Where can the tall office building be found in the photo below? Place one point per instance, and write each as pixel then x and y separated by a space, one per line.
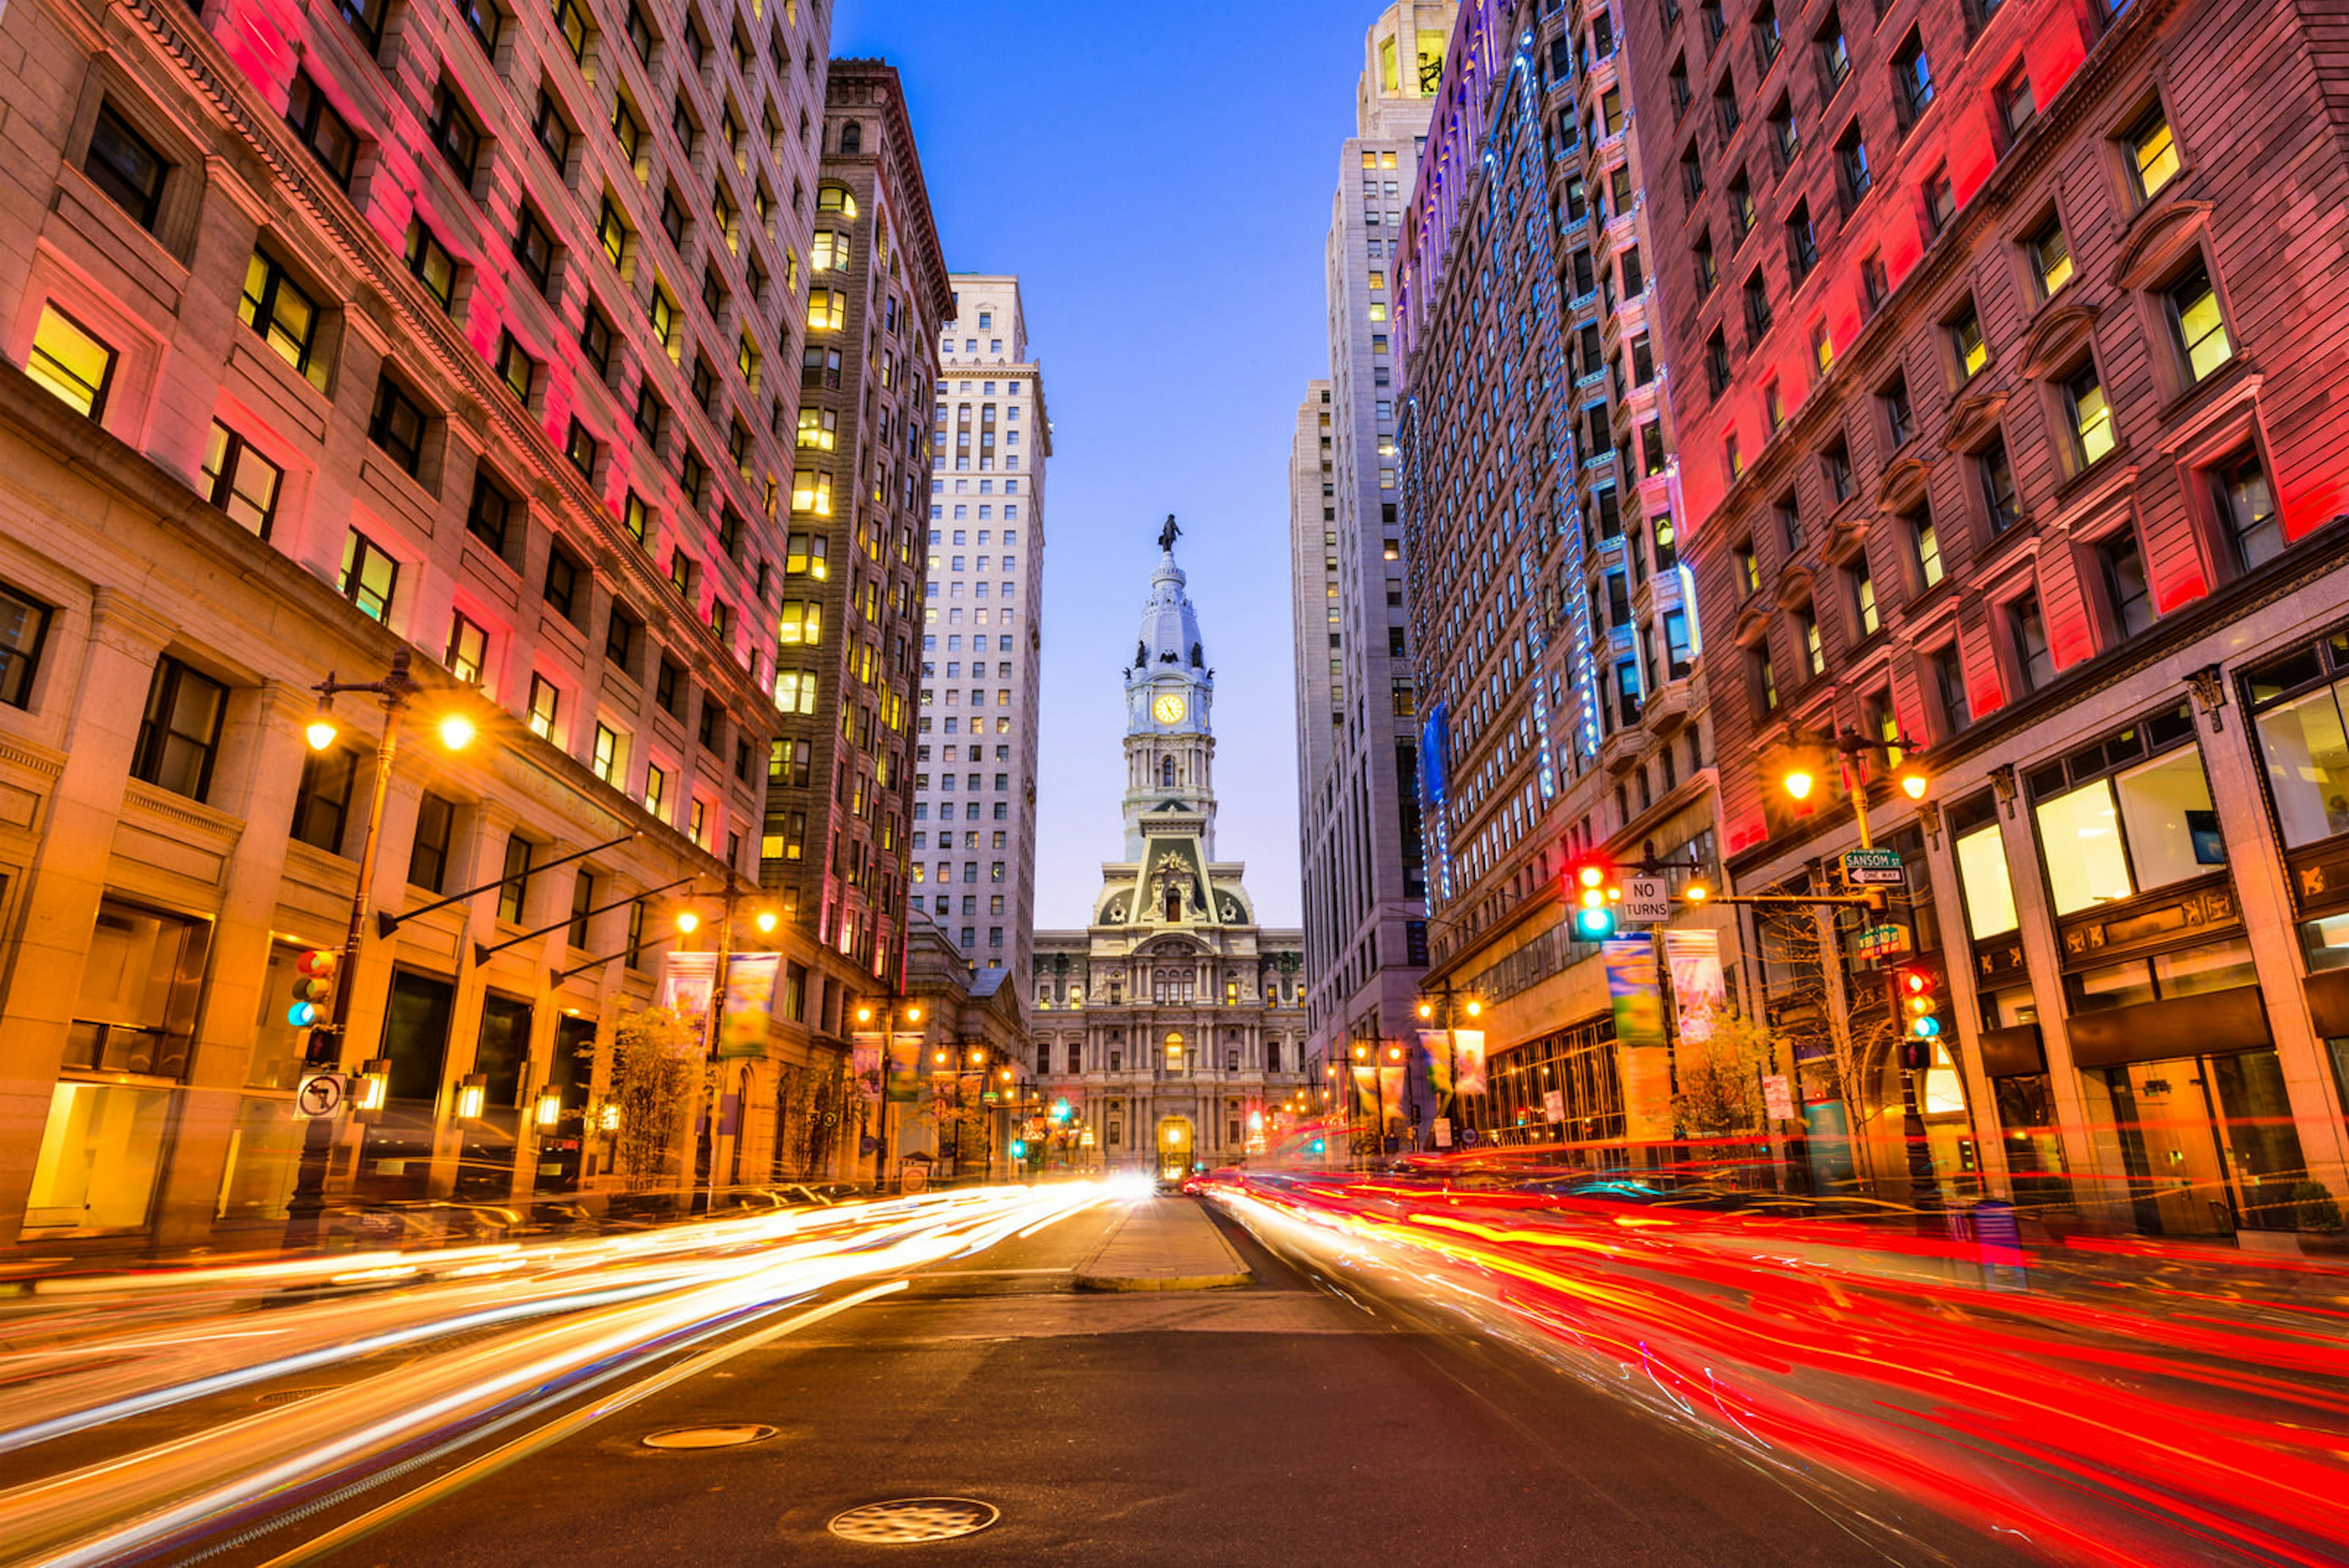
pixel 1550 615
pixel 974 762
pixel 2010 432
pixel 1173 1024
pixel 1358 770
pixel 839 799
pixel 373 333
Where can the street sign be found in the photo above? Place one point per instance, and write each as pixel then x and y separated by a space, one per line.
pixel 1646 902
pixel 1554 1104
pixel 320 1095
pixel 1444 1132
pixel 1874 868
pixel 1778 1097
pixel 1878 941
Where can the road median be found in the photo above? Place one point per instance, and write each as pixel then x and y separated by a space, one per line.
pixel 1162 1244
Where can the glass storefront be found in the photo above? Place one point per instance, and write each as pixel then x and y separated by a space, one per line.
pixel 102 1153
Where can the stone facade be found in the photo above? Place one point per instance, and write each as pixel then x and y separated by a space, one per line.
pixel 2009 435
pixel 351 335
pixel 982 634
pixel 1173 1024
pixel 1363 861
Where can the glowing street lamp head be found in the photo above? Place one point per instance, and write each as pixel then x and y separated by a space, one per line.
pixel 1426 1009
pixel 456 732
pixel 863 1015
pixel 1696 892
pixel 1475 1008
pixel 321 732
pixel 687 921
pixel 1799 781
pixel 766 923
pixel 913 1015
pixel 1914 784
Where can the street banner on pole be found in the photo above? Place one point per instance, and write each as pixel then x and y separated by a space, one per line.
pixel 1437 1046
pixel 1468 1061
pixel 1366 1085
pixel 905 1069
pixel 750 1001
pixel 684 989
pixel 1391 1090
pixel 1699 993
pixel 1778 1097
pixel 864 1064
pixel 1444 1132
pixel 1631 982
pixel 1647 1092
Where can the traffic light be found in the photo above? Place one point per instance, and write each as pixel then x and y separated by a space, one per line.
pixel 313 987
pixel 1592 892
pixel 1916 1004
pixel 1060 1110
pixel 1018 1149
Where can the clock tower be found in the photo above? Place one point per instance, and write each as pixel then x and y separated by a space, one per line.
pixel 1170 747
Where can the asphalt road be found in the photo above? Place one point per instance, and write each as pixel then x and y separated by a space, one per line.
pixel 1275 1423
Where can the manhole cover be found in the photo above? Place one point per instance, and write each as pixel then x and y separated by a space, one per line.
pixel 287 1395
pixel 906 1521
pixel 728 1437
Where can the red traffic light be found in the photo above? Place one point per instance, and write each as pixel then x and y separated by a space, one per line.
pixel 313 986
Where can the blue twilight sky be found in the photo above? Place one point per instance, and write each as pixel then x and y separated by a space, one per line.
pixel 1161 182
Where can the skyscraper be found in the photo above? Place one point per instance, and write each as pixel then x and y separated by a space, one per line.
pixel 974 762
pixel 1358 770
pixel 839 799
pixel 1173 1025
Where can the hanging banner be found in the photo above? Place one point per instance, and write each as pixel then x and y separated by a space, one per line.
pixel 1390 1088
pixel 1647 1092
pixel 1366 1088
pixel 1632 981
pixel 1468 1061
pixel 905 1069
pixel 1435 1045
pixel 864 1064
pixel 684 989
pixel 1700 995
pixel 750 1002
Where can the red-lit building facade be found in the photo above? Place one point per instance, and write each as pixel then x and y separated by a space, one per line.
pixel 458 332
pixel 2005 345
pixel 839 798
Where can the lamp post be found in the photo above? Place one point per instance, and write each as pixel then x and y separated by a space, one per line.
pixel 1852 750
pixel 325 1046
pixel 1452 1004
pixel 730 899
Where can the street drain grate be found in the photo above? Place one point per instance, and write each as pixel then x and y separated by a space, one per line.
pixel 288 1396
pixel 909 1520
pixel 726 1437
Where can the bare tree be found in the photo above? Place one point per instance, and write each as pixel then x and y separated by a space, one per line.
pixel 1835 1028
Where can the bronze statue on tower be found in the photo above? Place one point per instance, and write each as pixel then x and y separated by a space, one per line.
pixel 1168 534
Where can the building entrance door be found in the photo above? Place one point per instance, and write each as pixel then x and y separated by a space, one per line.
pixel 1177 1147
pixel 2178 1182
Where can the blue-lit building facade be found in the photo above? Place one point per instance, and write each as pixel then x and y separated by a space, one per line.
pixel 1562 712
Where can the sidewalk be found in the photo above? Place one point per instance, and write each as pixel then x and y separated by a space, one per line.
pixel 1162 1244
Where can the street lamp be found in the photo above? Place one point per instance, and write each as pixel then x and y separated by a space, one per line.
pixel 324 1046
pixel 689 920
pixel 888 1012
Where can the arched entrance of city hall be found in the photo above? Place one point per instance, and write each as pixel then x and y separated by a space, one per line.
pixel 1178 1144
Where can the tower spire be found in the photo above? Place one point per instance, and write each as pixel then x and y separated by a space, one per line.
pixel 1169 741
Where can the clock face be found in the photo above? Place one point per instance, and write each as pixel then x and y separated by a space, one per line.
pixel 1168 707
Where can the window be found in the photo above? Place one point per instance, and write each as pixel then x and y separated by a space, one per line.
pixel 469 649
pixel 178 733
pixel 655 789
pixel 818 430
pixel 553 131
pixel 612 232
pixel 605 758
pixel 1835 56
pixel 397 425
pixel 2088 415
pixel 1786 142
pixel 2016 106
pixel 1814 646
pixel 1899 419
pixel 1802 245
pixel 1982 870
pixel 514 890
pixel 516 367
pixel 1940 200
pixel 1851 165
pixel 1765 674
pixel 1716 363
pixel 1874 288
pixel 1999 504
pixel 428 853
pixel 628 129
pixel 484 21
pixel 490 514
pixel 2299 703
pixel 535 248
pixel 2201 334
pixel 1914 78
pixel 1925 545
pixel 595 340
pixel 2034 660
pixel 545 704
pixel 1789 517
pixel 583 906
pixel 23 629
pixel 2140 825
pixel 2246 509
pixel 1835 463
pixel 1707 272
pixel 2122 567
pixel 1865 614
pixel 369 575
pixel 274 306
pixel 1757 303
pixel 582 448
pixel 1966 340
pixel 1747 570
pixel 565 579
pixel 623 635
pixel 455 132
pixel 71 363
pixel 804 555
pixel 1950 686
pixel 2051 257
pixel 1741 207
pixel 801 623
pixel 434 267
pixel 2152 153
pixel 241 482
pixel 322 802
pixel 126 166
pixel 326 134
pixel 366 17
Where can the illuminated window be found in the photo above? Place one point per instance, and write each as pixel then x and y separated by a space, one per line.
pixel 804 555
pixel 516 367
pixel 370 575
pixel 817 428
pixel 811 492
pixel 469 649
pixel 1925 544
pixel 71 363
pixel 838 199
pixel 827 309
pixel 2192 307
pixel 1966 337
pixel 241 482
pixel 2152 153
pixel 2051 257
pixel 274 306
pixel 829 252
pixel 655 788
pixel 545 702
pixel 2089 415
pixel 795 691
pixel 434 267
pixel 582 448
pixel 607 761
pixel 2246 509
pixel 661 311
pixel 611 232
pixel 800 623
pixel 24 628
